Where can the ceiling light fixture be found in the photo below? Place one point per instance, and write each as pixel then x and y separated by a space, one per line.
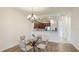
pixel 32 17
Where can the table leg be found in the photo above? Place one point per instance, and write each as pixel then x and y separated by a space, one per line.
pixel 34 48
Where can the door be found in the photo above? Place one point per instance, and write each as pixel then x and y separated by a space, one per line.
pixel 64 28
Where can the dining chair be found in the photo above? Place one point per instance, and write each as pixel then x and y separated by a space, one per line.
pixel 23 44
pixel 43 45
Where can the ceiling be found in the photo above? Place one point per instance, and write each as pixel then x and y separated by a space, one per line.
pixel 45 12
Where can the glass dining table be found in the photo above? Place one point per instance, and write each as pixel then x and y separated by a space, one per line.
pixel 34 42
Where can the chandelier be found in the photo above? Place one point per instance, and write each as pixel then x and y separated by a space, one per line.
pixel 32 17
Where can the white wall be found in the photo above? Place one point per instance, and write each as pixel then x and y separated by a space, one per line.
pixel 75 28
pixel 12 24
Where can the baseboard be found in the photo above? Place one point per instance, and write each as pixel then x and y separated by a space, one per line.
pixel 60 41
pixel 8 47
pixel 75 45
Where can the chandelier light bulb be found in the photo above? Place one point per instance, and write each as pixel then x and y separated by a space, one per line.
pixel 29 16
